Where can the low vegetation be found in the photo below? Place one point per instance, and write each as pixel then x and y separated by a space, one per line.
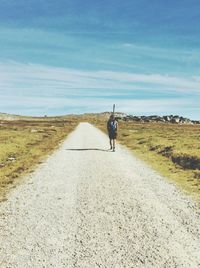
pixel 172 149
pixel 25 142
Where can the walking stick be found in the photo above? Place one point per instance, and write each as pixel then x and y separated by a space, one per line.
pixel 113 109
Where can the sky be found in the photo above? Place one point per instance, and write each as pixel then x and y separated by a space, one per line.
pixel 75 56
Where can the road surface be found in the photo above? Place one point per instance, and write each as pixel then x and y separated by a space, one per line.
pixel 88 207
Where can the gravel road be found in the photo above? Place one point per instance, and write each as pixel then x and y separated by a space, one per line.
pixel 88 207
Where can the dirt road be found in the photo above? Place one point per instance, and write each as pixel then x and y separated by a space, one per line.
pixel 87 207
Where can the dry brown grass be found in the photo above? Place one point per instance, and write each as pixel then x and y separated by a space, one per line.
pixel 24 143
pixel 173 150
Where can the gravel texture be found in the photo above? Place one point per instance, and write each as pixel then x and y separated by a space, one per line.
pixel 88 207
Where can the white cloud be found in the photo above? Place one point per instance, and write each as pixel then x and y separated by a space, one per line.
pixel 53 106
pixel 29 76
pixel 25 88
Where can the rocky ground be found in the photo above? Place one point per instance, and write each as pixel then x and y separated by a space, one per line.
pixel 173 119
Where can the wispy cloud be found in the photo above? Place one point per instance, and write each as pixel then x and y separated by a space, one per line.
pixel 38 89
pixel 29 76
pixel 84 57
pixel 55 106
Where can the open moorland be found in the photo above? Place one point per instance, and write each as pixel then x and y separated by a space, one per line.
pixel 86 206
pixel 25 141
pixel 171 149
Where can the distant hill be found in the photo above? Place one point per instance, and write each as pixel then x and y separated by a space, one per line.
pixel 4 116
pixel 11 117
pixel 174 119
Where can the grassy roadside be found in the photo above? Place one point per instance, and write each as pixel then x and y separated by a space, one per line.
pixel 24 143
pixel 173 150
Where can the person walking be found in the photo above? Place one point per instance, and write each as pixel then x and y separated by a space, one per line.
pixel 112 127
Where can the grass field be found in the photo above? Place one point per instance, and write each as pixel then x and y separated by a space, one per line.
pixel 173 150
pixel 24 143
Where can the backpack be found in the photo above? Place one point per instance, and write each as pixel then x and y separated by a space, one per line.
pixel 113 126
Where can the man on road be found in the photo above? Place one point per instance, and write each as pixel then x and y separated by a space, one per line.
pixel 112 126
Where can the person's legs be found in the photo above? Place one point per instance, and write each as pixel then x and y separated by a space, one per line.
pixel 113 144
pixel 112 141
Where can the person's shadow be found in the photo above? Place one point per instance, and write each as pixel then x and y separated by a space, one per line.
pixel 88 149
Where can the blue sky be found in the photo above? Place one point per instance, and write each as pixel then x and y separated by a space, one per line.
pixel 60 57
